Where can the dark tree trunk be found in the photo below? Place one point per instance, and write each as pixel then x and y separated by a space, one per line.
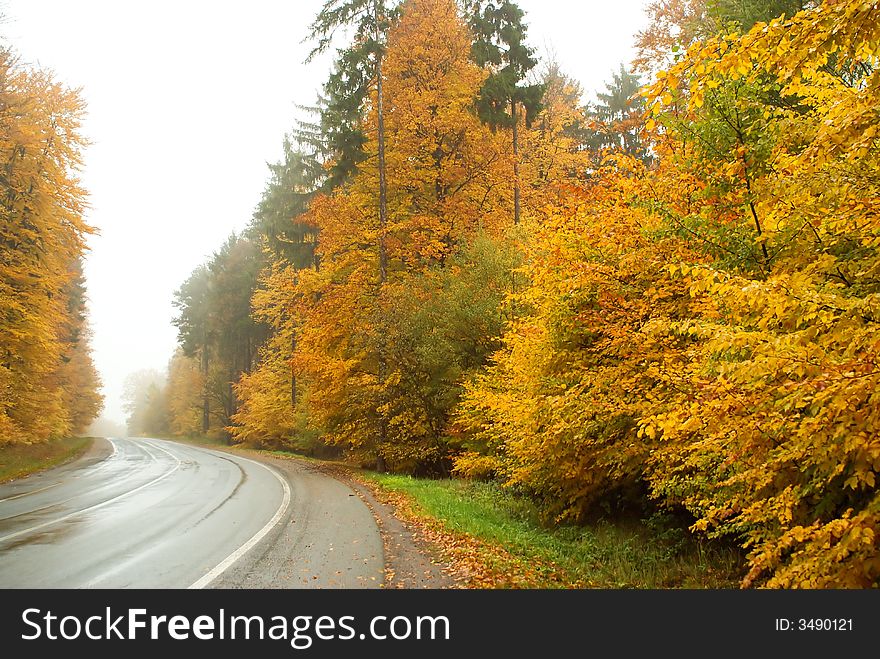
pixel 292 373
pixel 383 220
pixel 516 203
pixel 206 401
pixel 383 188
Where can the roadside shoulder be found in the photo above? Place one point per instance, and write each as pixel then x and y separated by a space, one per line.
pixel 412 561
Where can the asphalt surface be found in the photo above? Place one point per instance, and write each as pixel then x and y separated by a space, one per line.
pixel 148 513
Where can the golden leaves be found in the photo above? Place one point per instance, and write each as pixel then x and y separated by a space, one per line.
pixel 703 327
pixel 48 385
pixel 748 390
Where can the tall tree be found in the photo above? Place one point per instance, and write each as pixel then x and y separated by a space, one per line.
pixel 448 179
pixel 215 323
pixel 194 328
pixel 43 351
pixel 370 20
pixel 337 138
pixel 235 269
pixel 617 117
pixel 281 218
pixel 357 67
pixel 280 215
pixel 78 377
pixel 499 45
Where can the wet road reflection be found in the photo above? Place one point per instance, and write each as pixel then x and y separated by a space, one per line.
pixel 152 514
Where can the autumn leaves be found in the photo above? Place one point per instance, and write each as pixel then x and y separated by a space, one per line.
pixel 682 312
pixel 48 384
pixel 377 375
pixel 684 317
pixel 772 436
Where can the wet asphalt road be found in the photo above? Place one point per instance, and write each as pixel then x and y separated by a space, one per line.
pixel 149 513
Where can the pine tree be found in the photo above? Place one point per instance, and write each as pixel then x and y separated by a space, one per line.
pixel 617 117
pixel 499 45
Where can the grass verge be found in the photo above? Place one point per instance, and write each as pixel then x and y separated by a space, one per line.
pixel 18 460
pixel 496 539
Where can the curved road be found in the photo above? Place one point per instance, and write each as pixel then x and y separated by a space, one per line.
pixel 158 514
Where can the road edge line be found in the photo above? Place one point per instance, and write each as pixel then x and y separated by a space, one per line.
pixel 227 562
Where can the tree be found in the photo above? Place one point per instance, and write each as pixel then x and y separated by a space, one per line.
pixel 273 406
pixel 183 393
pixel 555 413
pixel 781 454
pixel 48 386
pixel 357 67
pixel 281 221
pixel 447 181
pixel 144 400
pixel 617 117
pixel 279 217
pixel 234 272
pixel 554 148
pixel 194 328
pixel 445 327
pixel 337 138
pixel 215 324
pixel 674 25
pixel 499 45
pixel 79 380
pixel 360 65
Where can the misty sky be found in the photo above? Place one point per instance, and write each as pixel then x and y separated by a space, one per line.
pixel 187 102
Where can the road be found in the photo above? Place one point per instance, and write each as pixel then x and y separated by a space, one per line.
pixel 148 513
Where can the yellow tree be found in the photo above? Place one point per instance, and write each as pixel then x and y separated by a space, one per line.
pixel 445 182
pixel 776 439
pixel 557 413
pixel 446 171
pixel 78 377
pixel 184 391
pixel 552 147
pixel 41 235
pixel 273 397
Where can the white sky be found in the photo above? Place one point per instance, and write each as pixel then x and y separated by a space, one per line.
pixel 187 102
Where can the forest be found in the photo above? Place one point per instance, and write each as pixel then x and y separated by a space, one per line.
pixel 667 298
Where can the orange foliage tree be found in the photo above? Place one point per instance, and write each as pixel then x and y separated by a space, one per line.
pixel 48 385
pixel 705 329
pixel 776 439
pixel 446 182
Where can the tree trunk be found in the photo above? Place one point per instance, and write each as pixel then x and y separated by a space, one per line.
pixel 292 372
pixel 206 402
pixel 383 189
pixel 515 162
pixel 383 223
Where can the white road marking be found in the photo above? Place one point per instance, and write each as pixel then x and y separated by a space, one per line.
pixel 227 562
pixel 97 506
